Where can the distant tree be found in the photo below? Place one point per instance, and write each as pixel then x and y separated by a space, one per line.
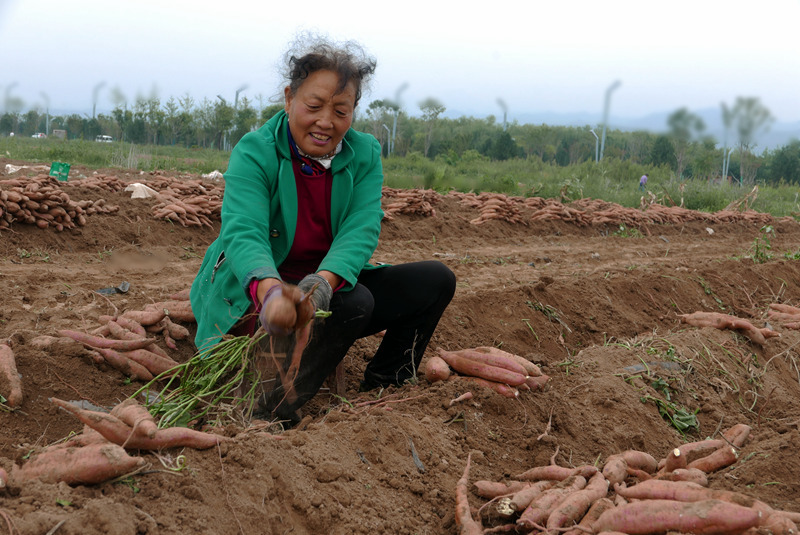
pixel 786 163
pixel 663 153
pixel 269 112
pixel 704 158
pixel 750 118
pixel 683 127
pixel 431 109
pixel 503 146
pixel 245 120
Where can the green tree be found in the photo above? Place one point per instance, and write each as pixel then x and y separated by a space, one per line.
pixel 786 163
pixel 750 118
pixel 431 110
pixel 663 152
pixel 683 127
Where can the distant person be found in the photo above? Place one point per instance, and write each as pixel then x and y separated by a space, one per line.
pixel 643 182
pixel 301 216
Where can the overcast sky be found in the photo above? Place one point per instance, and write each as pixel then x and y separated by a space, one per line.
pixel 555 56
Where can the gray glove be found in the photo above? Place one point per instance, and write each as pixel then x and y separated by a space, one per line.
pixel 323 292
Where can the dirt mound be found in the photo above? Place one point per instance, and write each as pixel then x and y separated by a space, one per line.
pixel 597 308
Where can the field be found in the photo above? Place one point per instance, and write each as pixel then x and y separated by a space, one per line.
pixel 597 306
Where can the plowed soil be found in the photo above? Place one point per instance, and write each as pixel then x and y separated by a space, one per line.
pixel 596 307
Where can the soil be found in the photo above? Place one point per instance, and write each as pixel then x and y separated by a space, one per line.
pixel 596 308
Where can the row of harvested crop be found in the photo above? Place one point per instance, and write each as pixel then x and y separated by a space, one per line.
pixel 632 493
pixel 43 203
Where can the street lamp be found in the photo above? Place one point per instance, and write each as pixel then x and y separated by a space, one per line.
pixel 610 89
pixel 596 143
pixel 95 92
pixel 397 93
pixel 47 113
pixel 388 134
pixel 236 100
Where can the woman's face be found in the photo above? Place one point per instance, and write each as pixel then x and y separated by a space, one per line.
pixel 319 115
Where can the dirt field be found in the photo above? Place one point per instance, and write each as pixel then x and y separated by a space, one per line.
pixel 596 308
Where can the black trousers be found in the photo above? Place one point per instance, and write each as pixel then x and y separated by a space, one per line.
pixel 406 300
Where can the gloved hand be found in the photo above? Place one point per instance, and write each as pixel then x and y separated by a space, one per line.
pixel 278 313
pixel 322 293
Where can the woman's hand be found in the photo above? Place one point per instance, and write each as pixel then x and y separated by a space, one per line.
pixel 279 310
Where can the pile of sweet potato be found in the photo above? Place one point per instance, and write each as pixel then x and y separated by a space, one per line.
pixel 631 493
pixel 100 452
pixel 490 367
pixel 412 201
pixel 41 201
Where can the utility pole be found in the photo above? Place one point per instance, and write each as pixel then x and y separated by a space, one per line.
pixel 95 92
pixel 236 100
pixel 47 113
pixel 596 144
pixel 502 104
pixel 607 105
pixel 397 105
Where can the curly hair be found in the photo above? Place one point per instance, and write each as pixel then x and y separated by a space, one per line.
pixel 312 53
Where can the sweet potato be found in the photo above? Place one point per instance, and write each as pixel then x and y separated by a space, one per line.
pixel 177 310
pixel 435 369
pixel 531 368
pixel 737 435
pixel 716 461
pixel 97 342
pixel 122 363
pixel 694 450
pixel 118 432
pixel 523 497
pixel 137 416
pixel 689 475
pixel 466 524
pixel 657 516
pixel 540 507
pixel 117 329
pixel 536 382
pixel 9 377
pixel 500 388
pixel 484 371
pixel 85 465
pixel 492 359
pixel 495 489
pixel 654 489
pixel 587 522
pixel 640 460
pixel 3 478
pixel 572 508
pixel 155 364
pixel 133 326
pixel 616 469
pixel 554 472
pixel 674 460
pixel 145 317
pixel 787 309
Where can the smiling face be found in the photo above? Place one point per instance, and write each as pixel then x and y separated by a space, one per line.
pixel 320 114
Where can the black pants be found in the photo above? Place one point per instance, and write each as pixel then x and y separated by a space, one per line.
pixel 406 300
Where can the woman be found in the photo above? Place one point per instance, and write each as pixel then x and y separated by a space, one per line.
pixel 301 216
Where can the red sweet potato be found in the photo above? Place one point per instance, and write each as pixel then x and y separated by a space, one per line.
pixel 531 368
pixel 674 460
pixel 466 524
pixel 98 342
pixel 542 506
pixel 658 516
pixel 122 363
pixel 481 370
pixel 137 416
pixel 689 475
pixel 523 497
pixel 9 377
pixel 86 465
pixel 554 472
pixel 716 461
pixel 500 388
pixel 737 435
pixel 435 369
pixel 640 460
pixel 587 522
pixel 495 489
pixel 572 508
pixel 492 359
pixel 616 469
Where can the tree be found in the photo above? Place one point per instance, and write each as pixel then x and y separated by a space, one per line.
pixel 683 126
pixel 750 118
pixel 663 153
pixel 431 109
pixel 786 163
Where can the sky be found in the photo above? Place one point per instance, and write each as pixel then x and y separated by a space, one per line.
pixel 559 56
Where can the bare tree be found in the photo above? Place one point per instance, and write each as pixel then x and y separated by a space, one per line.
pixel 750 118
pixel 431 109
pixel 684 126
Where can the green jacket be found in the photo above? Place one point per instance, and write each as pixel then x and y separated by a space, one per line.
pixel 259 216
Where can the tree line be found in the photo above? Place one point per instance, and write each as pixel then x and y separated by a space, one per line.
pixel 683 147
